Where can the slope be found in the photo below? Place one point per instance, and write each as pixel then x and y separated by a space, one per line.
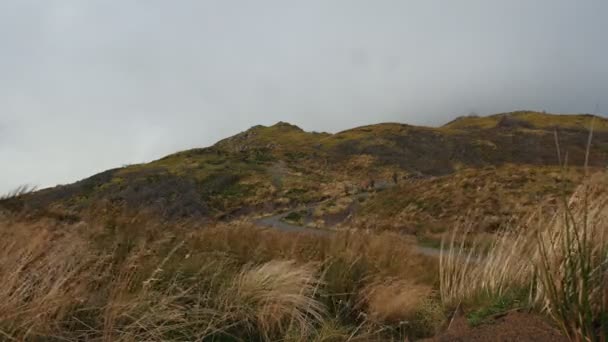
pixel 267 168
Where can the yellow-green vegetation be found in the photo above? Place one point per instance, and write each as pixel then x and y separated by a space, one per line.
pixel 486 307
pixel 379 133
pixel 530 120
pixel 490 197
pixel 282 136
pixel 268 168
pixel 336 206
pixel 296 217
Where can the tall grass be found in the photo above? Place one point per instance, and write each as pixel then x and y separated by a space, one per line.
pixel 131 278
pixel 572 269
pixel 42 281
pixel 560 260
pixel 17 192
pixel 470 272
pixel 276 295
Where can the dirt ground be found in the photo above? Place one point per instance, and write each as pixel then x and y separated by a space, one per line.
pixel 514 326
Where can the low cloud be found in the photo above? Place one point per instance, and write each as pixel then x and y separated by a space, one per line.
pixel 93 85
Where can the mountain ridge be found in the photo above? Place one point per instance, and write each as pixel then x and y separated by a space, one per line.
pixel 269 167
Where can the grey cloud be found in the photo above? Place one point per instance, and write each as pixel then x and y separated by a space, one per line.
pixel 97 84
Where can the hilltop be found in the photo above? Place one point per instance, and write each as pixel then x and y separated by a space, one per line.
pixel 264 169
pixel 530 120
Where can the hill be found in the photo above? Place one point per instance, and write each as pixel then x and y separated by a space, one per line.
pixel 81 262
pixel 265 169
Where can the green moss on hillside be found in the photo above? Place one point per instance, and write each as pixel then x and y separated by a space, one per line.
pixel 284 165
pixel 530 120
pixel 489 196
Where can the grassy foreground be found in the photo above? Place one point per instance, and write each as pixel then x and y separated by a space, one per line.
pixel 556 263
pixel 117 276
pixel 132 279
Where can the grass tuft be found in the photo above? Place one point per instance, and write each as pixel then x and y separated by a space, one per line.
pixel 559 260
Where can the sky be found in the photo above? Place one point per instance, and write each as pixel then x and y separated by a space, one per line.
pixel 90 85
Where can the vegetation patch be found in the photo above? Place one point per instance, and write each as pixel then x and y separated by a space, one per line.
pixel 296 217
pixel 559 258
pixel 488 308
pixel 138 279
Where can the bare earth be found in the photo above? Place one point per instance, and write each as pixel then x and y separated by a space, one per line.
pixel 514 326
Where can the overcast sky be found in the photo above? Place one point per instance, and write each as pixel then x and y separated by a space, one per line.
pixel 90 85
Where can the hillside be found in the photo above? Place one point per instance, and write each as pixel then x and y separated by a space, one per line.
pixel 265 169
pixel 278 234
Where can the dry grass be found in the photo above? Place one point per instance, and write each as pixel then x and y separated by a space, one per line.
pixel 479 270
pixel 572 264
pixel 397 301
pixel 43 277
pixel 278 295
pixel 560 260
pixel 130 278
